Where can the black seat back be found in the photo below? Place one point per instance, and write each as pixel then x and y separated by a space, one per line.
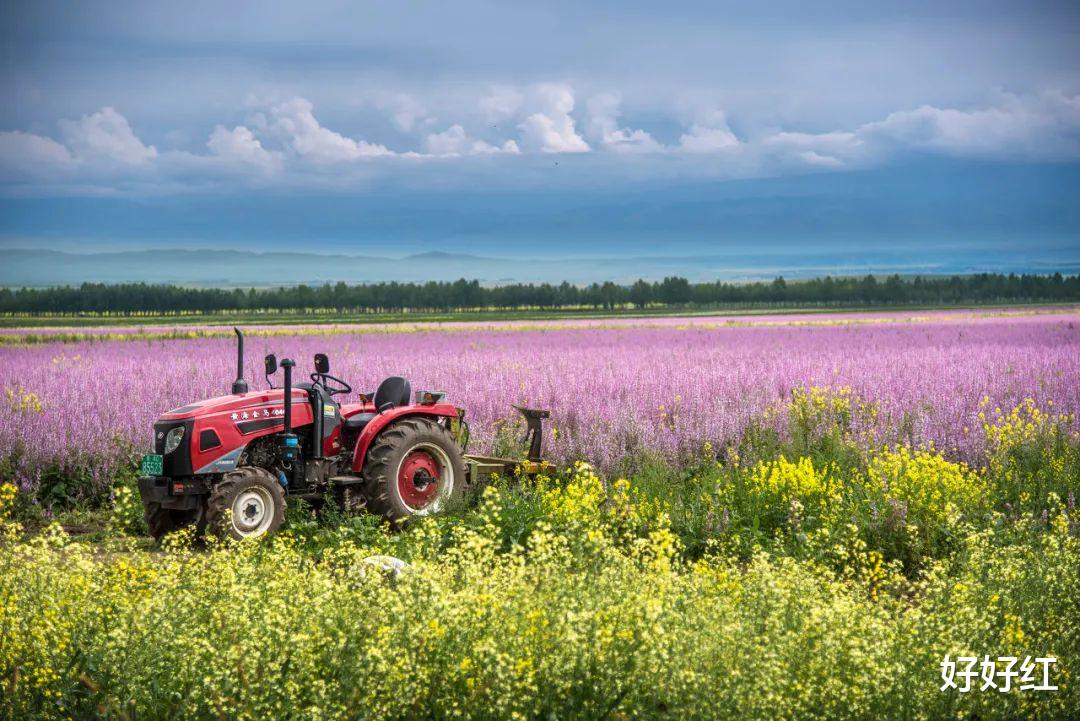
pixel 392 392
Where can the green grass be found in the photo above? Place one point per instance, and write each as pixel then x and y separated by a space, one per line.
pixel 317 317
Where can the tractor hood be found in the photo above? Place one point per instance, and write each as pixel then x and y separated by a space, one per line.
pixel 236 402
pixel 217 430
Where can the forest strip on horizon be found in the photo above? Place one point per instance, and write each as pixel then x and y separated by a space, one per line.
pixel 465 295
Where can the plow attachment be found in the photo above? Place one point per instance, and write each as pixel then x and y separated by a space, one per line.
pixel 481 468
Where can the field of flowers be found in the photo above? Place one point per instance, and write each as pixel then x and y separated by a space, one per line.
pixel 778 517
pixel 74 413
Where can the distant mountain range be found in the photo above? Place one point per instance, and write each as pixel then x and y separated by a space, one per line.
pixel 240 268
pixel 928 217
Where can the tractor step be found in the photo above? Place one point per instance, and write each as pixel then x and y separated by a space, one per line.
pixel 346 481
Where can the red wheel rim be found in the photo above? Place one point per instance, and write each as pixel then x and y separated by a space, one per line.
pixel 418 479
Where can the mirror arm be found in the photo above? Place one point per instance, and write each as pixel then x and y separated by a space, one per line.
pixel 270 367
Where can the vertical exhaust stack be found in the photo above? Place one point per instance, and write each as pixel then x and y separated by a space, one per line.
pixel 239 385
pixel 290 444
pixel 287 366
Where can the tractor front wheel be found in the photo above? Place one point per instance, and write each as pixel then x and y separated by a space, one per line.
pixel 161 521
pixel 414 468
pixel 245 503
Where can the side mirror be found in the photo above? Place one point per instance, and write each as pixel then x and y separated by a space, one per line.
pixel 322 364
pixel 270 362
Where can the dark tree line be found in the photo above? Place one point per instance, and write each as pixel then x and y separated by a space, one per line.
pixel 140 298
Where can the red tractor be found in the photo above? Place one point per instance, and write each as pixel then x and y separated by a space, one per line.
pixel 229 464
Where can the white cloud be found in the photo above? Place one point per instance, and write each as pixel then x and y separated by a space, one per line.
pixel 405 111
pixel 105 135
pixel 451 141
pixel 837 142
pixel 455 141
pixel 552 135
pixel 508 147
pixel 241 145
pixel 1046 125
pixel 826 150
pixel 552 129
pixel 28 152
pixel 286 143
pixel 294 121
pixel 812 157
pixel 603 126
pixel 501 103
pixel 709 135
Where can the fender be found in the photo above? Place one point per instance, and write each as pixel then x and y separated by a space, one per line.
pixel 382 420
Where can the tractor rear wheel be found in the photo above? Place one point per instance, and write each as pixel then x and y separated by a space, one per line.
pixel 413 468
pixel 245 503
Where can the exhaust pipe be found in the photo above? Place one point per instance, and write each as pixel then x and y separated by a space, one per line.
pixel 290 444
pixel 287 365
pixel 239 385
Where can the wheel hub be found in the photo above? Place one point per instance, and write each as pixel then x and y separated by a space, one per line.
pixel 418 479
pixel 422 478
pixel 252 511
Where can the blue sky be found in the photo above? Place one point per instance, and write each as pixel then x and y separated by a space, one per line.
pixel 496 127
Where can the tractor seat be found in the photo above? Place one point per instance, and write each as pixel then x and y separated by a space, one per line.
pixel 391 393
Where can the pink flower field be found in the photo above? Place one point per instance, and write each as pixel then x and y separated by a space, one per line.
pixel 615 388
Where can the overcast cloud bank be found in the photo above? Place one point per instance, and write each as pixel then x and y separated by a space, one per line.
pixel 286 143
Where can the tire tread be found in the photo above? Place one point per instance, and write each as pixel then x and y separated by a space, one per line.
pixel 380 469
pixel 219 503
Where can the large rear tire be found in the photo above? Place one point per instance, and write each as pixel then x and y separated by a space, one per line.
pixel 246 503
pixel 414 468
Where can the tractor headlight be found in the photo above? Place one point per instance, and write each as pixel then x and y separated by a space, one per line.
pixel 172 440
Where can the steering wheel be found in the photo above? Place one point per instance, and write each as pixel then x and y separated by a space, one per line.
pixel 322 378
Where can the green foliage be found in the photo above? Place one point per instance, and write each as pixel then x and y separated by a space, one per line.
pixel 141 299
pixel 799 573
pixel 1033 455
pixel 126 514
pixel 579 622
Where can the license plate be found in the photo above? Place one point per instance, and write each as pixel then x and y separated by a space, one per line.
pixel 151 465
